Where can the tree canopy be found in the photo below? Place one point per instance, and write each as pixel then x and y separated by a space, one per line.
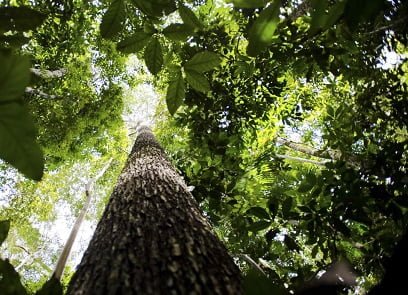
pixel 288 120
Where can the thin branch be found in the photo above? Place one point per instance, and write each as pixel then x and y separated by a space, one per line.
pixel 303 160
pixel 396 22
pixel 39 92
pixel 59 268
pixel 249 260
pixel 47 74
pixel 332 154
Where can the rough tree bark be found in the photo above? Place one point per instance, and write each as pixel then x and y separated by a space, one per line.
pixel 152 238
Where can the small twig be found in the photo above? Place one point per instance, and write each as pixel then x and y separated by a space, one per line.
pixel 249 260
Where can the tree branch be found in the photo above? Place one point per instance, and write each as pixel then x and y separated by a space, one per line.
pixel 47 74
pixel 298 159
pixel 251 262
pixel 39 92
pixel 331 154
pixel 59 268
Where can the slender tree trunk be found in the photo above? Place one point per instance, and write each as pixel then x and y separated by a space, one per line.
pixel 152 238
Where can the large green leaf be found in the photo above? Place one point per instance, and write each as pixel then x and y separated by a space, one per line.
pixel 153 56
pixel 14 76
pixel 113 19
pixel 203 61
pixel 198 81
pixel 259 225
pixel 20 18
pixel 4 229
pixel 155 7
pixel 291 243
pixel 258 212
pixel 178 32
pixel 175 92
pixel 319 16
pixel 17 144
pixel 133 43
pixel 249 3
pixel 10 283
pixel 189 18
pixel 262 31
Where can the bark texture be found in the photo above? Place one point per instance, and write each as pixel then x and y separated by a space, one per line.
pixel 152 238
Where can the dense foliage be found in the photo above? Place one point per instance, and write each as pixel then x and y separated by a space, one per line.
pixel 289 119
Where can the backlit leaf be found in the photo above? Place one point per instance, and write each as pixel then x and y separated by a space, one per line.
pixel 258 212
pixel 262 31
pixel 189 18
pixel 249 3
pixel 156 8
pixel 178 32
pixel 153 56
pixel 259 225
pixel 198 81
pixel 17 145
pixel 175 92
pixel 133 43
pixel 14 76
pixel 203 61
pixel 113 19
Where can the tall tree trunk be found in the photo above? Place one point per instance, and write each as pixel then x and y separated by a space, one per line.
pixel 152 238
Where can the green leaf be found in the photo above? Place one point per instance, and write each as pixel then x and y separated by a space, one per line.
pixel 51 287
pixel 271 234
pixel 319 16
pixel 133 43
pixel 20 18
pixel 203 61
pixel 113 19
pixel 189 17
pixel 291 244
pixel 262 31
pixel 258 212
pixel 342 227
pixel 175 92
pixel 14 76
pixel 155 8
pixel 287 206
pixel 178 32
pixel 315 249
pixel 311 178
pixel 198 81
pixel 10 283
pixel 334 14
pixel 304 187
pixel 259 225
pixel 273 206
pixel 4 229
pixel 153 56
pixel 17 145
pixel 249 3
